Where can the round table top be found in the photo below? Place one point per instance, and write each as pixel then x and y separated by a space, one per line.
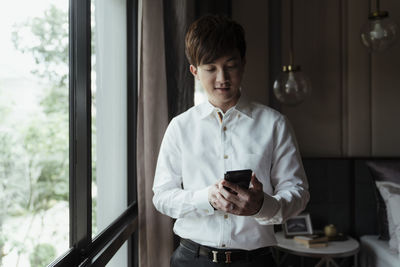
pixel 334 248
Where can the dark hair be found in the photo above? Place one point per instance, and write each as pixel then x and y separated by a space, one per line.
pixel 211 37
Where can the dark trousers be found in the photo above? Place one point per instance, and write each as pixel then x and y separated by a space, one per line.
pixel 185 256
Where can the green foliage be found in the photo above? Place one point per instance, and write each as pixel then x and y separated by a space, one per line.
pixel 50 48
pixel 49 187
pixel 12 175
pixel 3 240
pixel 42 255
pixel 34 156
pixel 45 138
pixel 50 52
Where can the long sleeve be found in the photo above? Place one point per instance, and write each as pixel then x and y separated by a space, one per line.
pixel 169 196
pixel 287 178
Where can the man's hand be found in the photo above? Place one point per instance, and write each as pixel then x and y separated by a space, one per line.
pixel 241 201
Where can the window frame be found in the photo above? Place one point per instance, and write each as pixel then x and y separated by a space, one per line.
pixel 85 251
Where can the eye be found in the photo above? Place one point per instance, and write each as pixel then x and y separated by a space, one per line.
pixel 209 69
pixel 231 67
pixel 232 64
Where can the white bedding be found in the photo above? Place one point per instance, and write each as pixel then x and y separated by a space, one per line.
pixel 376 253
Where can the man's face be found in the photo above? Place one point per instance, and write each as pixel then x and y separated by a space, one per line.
pixel 221 79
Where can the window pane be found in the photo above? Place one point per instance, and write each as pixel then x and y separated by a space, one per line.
pixel 34 215
pixel 110 109
pixel 120 258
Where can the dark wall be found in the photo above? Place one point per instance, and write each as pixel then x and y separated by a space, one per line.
pixel 353 109
pixel 342 193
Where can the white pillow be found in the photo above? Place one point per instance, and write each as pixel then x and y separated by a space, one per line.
pixel 390 193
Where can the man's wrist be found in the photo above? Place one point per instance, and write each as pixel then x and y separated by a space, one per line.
pixel 261 204
pixel 269 207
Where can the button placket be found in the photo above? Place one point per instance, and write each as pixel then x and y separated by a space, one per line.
pixel 227 229
pixel 221 121
pixel 226 136
pixel 223 131
pixel 226 130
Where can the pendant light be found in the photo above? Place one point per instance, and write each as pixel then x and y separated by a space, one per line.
pixel 292 86
pixel 379 32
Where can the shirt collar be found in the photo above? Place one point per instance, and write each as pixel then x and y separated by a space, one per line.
pixel 205 109
pixel 243 106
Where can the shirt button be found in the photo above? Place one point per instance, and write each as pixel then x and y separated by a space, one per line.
pixel 225 156
pixel 224 128
pixel 225 216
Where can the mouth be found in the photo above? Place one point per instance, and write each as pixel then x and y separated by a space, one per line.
pixel 222 88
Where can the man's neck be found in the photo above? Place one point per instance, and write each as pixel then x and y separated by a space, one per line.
pixel 224 107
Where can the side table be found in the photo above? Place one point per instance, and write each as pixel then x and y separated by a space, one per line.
pixel 335 249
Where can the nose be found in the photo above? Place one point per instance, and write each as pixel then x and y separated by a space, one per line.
pixel 222 77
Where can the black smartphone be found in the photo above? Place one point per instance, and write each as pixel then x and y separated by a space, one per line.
pixel 239 177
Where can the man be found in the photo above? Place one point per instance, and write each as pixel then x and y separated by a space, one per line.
pixel 220 226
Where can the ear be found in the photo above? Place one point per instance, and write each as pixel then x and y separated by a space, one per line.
pixel 193 70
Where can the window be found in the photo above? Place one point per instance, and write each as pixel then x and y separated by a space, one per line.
pixel 48 118
pixel 34 162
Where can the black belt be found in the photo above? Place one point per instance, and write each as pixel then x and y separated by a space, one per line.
pixel 224 255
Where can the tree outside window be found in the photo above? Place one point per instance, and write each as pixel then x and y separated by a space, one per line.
pixel 34 136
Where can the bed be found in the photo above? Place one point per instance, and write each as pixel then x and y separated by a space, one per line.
pixel 376 253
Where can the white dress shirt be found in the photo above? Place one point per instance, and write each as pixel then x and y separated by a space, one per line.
pixel 196 151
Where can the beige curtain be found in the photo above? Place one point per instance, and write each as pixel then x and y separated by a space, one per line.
pixel 155 230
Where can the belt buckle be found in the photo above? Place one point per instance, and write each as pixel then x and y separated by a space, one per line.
pixel 215 258
pixel 228 256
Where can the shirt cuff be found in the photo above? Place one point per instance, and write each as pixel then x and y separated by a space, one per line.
pixel 200 201
pixel 270 212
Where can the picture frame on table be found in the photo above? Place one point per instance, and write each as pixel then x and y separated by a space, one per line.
pixel 298 225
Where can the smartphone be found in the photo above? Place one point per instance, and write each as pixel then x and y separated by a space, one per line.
pixel 239 177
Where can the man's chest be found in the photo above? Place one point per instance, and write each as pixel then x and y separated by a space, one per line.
pixel 210 149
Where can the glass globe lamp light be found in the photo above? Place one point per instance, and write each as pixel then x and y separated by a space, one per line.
pixel 379 32
pixel 292 86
